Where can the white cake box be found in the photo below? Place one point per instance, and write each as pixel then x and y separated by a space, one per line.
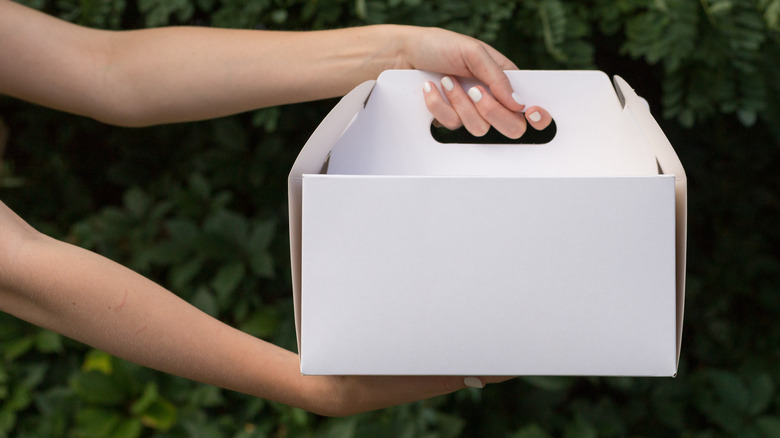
pixel 413 257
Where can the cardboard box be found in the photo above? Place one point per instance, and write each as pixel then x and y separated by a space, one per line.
pixel 412 257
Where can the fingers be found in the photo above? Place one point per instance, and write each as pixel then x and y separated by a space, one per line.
pixel 511 124
pixel 442 112
pixel 464 107
pixel 538 117
pixel 348 395
pixel 478 109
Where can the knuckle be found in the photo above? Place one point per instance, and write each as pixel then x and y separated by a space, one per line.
pixel 479 130
pixel 515 131
pixel 491 110
pixel 450 122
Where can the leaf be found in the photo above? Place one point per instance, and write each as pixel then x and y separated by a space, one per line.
pixel 229 134
pixel 20 398
pixel 531 431
pixel 129 428
pixel 158 12
pixel 166 253
pixel 762 388
pixel 17 347
pixel 580 429
pixel 136 202
pixel 669 402
pixel 159 415
pixel 228 225
pixel 228 277
pixel 553 18
pixel 769 426
pixel 148 397
pixel 200 186
pixel 262 235
pixel 550 383
pixel 208 396
pixel 46 341
pixel 205 301
pixel 100 361
pixel 747 117
pixel 262 264
pixel 7 420
pixel 261 261
pixel 263 323
pixel 55 401
pixel 198 427
pixel 182 274
pixel 723 398
pixel 182 230
pixel 34 375
pixel 340 428
pixel 96 422
pixel 267 119
pixel 731 390
pixel 96 387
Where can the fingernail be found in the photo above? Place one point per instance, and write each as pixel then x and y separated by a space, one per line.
pixel 534 116
pixel 475 94
pixel 446 82
pixel 473 382
pixel 516 98
pixel 427 87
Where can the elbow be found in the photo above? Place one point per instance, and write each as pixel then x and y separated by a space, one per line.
pixel 120 106
pixel 115 98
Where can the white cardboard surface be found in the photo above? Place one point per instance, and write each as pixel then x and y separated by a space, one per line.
pixel 426 275
pixel 489 274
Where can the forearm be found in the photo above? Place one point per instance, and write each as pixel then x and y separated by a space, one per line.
pixel 177 74
pixel 94 300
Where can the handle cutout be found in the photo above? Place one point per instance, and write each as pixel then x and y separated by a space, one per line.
pixel 462 136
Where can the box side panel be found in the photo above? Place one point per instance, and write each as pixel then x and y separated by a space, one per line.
pixel 669 164
pixel 311 159
pixel 488 276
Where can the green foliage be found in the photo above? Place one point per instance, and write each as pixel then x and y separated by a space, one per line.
pixel 201 209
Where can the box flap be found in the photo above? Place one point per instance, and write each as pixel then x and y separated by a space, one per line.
pixel 594 137
pixel 311 159
pixel 669 164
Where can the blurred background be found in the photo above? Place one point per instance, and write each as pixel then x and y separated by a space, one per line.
pixel 201 208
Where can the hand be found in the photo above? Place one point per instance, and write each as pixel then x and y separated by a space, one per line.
pixel 457 55
pixel 348 395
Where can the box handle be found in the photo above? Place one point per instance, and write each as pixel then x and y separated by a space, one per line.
pixel 462 136
pixel 392 135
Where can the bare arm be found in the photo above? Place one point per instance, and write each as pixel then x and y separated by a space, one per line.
pixel 175 74
pixel 165 75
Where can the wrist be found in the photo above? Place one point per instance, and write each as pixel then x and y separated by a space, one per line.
pixel 400 40
pixel 323 395
pixel 384 47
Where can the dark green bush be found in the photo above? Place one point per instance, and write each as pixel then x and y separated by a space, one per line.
pixel 201 208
